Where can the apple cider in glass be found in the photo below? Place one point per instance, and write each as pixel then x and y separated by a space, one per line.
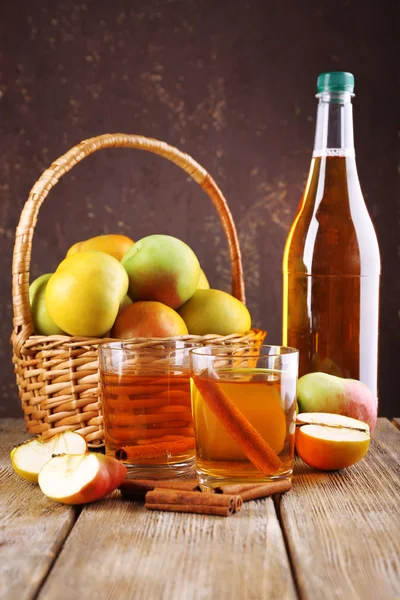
pixel 244 414
pixel 147 408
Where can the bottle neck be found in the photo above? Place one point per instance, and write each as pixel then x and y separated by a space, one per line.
pixel 334 132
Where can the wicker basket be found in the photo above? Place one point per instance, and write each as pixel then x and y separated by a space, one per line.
pixel 57 376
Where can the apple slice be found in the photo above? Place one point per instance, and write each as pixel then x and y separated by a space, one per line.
pixel 73 479
pixel 331 420
pixel 329 442
pixel 28 458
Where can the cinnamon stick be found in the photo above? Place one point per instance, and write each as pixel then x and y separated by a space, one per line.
pixel 257 450
pixel 222 511
pixel 192 502
pixel 137 489
pixel 249 491
pixel 154 450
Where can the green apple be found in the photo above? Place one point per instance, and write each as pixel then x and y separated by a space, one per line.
pixel 42 321
pixel 203 281
pixel 214 311
pixel 161 268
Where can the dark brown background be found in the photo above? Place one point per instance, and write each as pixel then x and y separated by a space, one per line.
pixel 230 82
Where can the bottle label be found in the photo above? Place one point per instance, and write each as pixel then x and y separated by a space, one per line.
pixel 347 152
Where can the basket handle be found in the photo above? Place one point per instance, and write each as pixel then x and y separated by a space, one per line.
pixel 23 326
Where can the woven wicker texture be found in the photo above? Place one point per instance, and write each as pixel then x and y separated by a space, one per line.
pixel 57 376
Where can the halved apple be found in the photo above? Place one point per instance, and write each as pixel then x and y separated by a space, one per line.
pixel 329 442
pixel 28 458
pixel 73 479
pixel 331 420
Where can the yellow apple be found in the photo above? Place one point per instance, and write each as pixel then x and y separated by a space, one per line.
pixel 329 442
pixel 115 244
pixel 83 296
pixel 214 311
pixel 28 458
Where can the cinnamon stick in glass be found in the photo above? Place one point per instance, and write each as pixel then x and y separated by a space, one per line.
pixel 257 450
pixel 154 450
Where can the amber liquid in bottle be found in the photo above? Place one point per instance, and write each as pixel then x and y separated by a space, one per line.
pixel 331 265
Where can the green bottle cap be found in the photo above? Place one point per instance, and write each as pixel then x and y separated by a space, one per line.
pixel 336 81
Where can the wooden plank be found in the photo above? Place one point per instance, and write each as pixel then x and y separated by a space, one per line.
pixel 117 549
pixel 343 528
pixel 387 435
pixel 32 528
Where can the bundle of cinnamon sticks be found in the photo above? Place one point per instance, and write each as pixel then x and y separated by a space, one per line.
pixel 187 496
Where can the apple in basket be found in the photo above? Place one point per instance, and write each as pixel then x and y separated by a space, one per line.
pixel 148 319
pixel 115 244
pixel 158 289
pixel 214 311
pixel 162 268
pixel 42 322
pixel 84 294
pixel 203 281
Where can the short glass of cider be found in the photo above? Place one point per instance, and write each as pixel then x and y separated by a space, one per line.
pixel 146 406
pixel 244 412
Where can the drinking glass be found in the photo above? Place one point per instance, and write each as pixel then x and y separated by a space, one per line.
pixel 244 411
pixel 146 407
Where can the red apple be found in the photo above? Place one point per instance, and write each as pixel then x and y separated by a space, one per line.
pixel 148 319
pixel 72 479
pixel 320 392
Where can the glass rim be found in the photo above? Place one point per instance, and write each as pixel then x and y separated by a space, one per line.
pixel 125 345
pixel 289 350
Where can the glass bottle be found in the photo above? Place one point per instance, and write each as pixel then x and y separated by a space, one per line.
pixel 331 264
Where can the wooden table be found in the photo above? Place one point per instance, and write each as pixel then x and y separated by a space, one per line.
pixel 334 535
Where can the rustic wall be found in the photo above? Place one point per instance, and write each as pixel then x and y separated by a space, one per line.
pixel 230 82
